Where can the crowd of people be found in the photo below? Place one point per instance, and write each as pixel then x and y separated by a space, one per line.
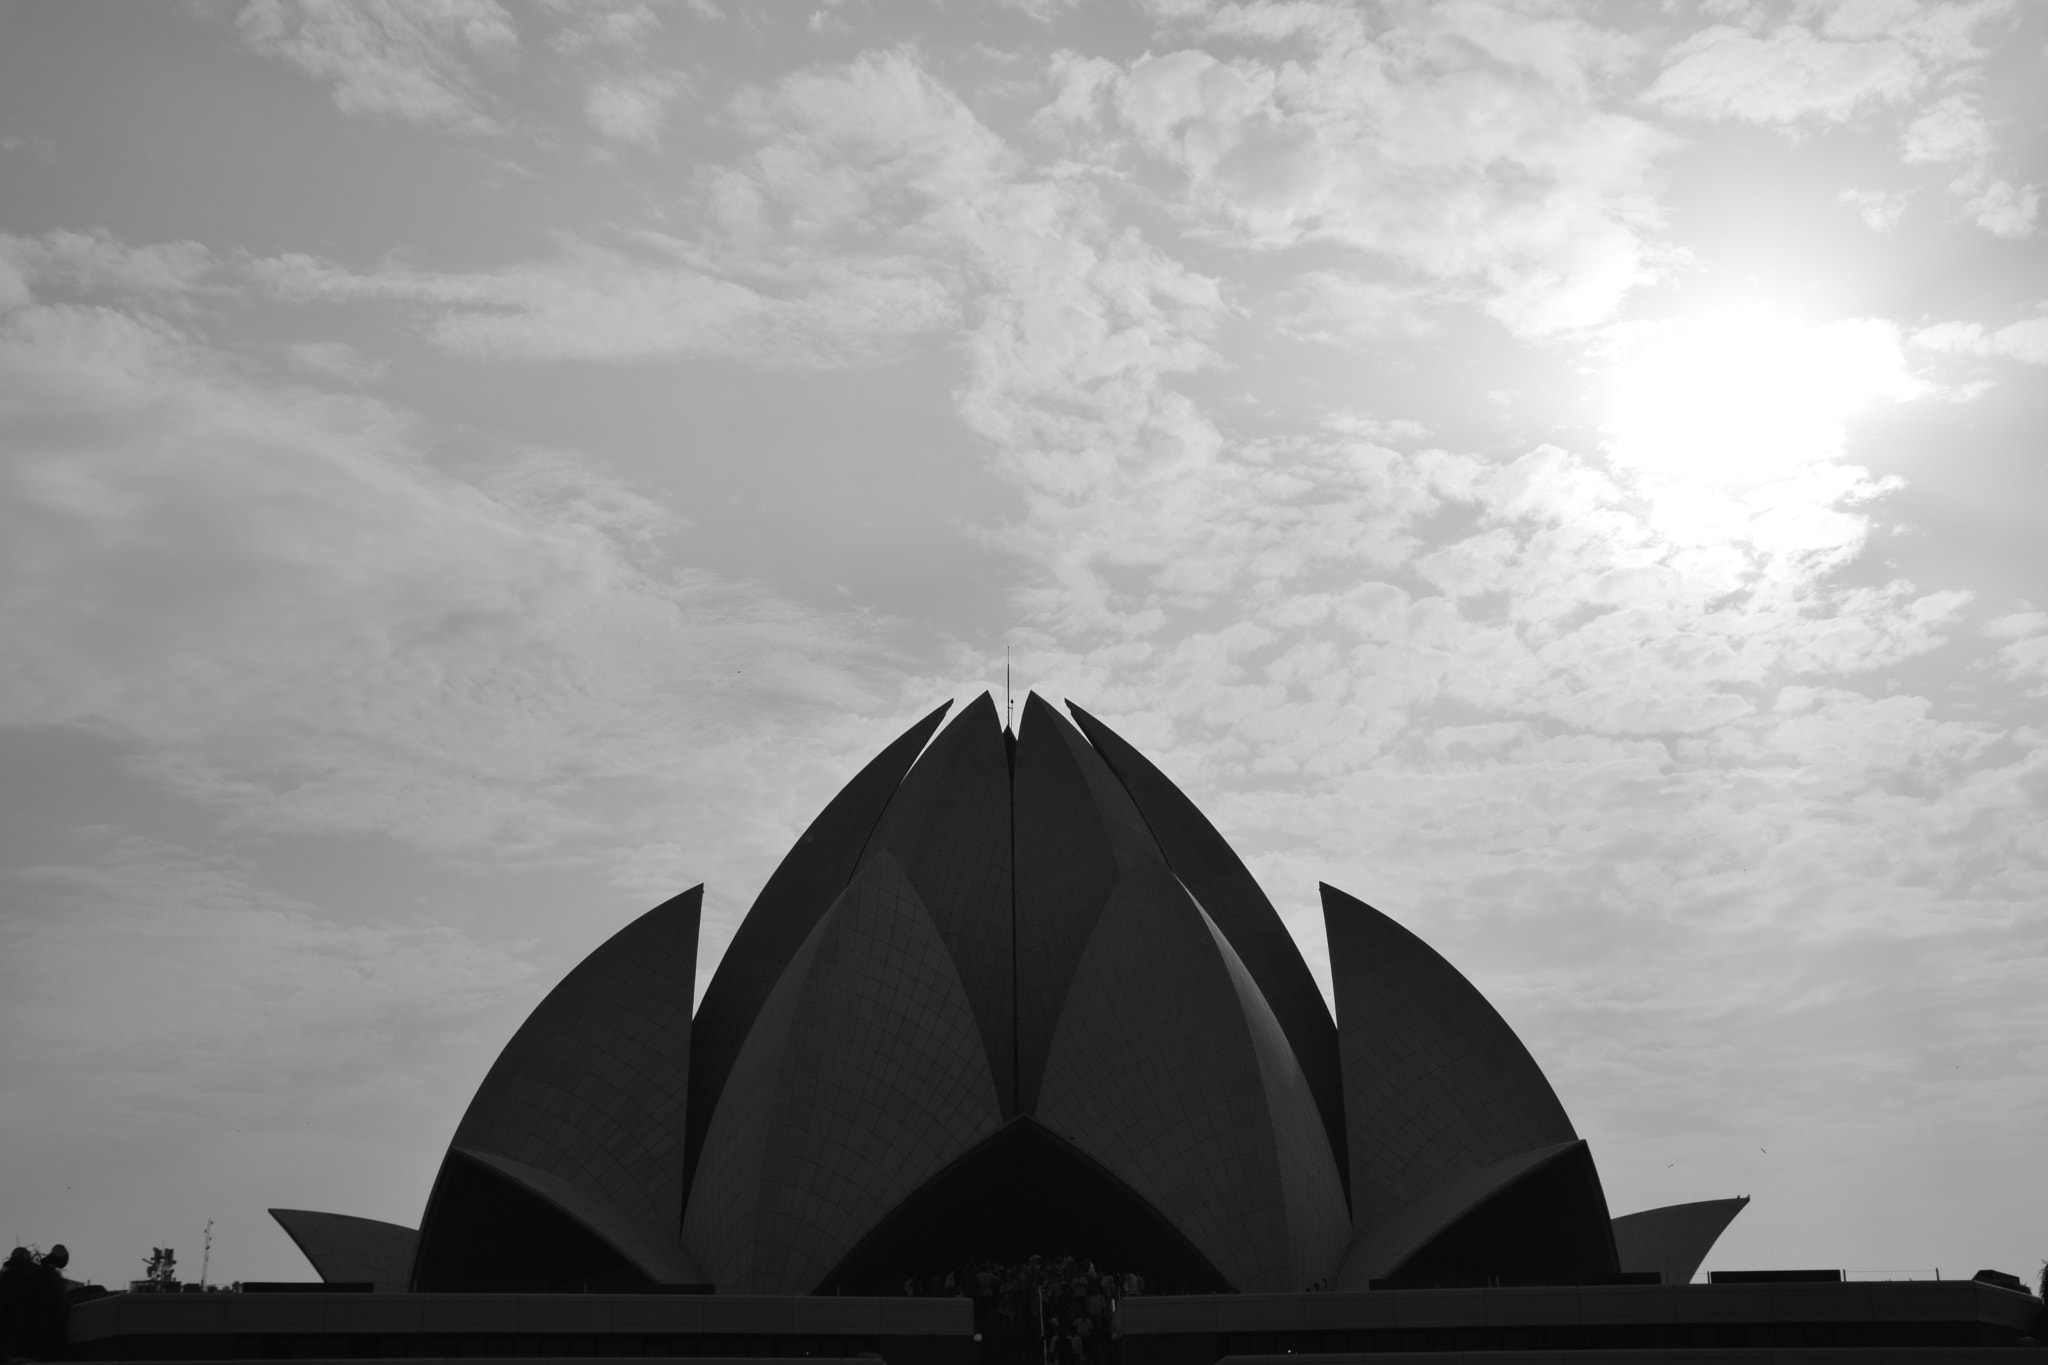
pixel 1041 1310
pixel 33 1305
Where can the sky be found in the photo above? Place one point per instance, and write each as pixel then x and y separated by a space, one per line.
pixel 1574 476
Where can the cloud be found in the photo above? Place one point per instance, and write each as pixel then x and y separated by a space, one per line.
pixel 1880 210
pixel 2025 341
pixel 1601 606
pixel 1041 11
pixel 336 360
pixel 2017 625
pixel 1953 130
pixel 2000 207
pixel 41 148
pixel 616 42
pixel 216 986
pixel 1292 597
pixel 850 228
pixel 631 108
pixel 597 303
pixel 94 263
pixel 418 63
pixel 585 26
pixel 1329 305
pixel 281 606
pixel 1864 54
pixel 2024 655
pixel 852 150
pixel 1470 145
pixel 1792 74
pixel 433 64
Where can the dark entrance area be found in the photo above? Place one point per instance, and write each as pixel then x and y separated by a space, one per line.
pixel 1023 1191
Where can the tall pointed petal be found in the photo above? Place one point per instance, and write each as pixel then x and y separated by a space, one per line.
pixel 1435 1082
pixel 592 1090
pixel 1069 853
pixel 948 829
pixel 1169 1068
pixel 862 1078
pixel 1203 860
pixel 811 874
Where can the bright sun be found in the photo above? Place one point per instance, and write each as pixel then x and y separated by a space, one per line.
pixel 1747 394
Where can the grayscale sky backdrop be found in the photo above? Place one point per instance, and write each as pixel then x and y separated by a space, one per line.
pixel 1569 474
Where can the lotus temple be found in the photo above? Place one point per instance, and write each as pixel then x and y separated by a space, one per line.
pixel 1012 1060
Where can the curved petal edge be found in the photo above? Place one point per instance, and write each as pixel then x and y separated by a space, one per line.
pixel 810 875
pixel 1436 1084
pixel 1169 1068
pixel 1210 868
pixel 592 1091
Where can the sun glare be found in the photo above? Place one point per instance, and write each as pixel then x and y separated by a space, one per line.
pixel 1744 395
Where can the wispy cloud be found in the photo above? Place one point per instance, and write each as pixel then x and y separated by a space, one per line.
pixel 1859 56
pixel 336 360
pixel 1323 129
pixel 96 263
pixel 848 229
pixel 1880 210
pixel 618 47
pixel 1953 131
pixel 1783 76
pixel 296 613
pixel 1340 307
pixel 2024 656
pixel 229 988
pixel 419 63
pixel 447 65
pixel 2025 341
pixel 659 299
pixel 632 108
pixel 601 25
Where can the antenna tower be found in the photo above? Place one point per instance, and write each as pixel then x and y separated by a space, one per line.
pixel 206 1254
pixel 1009 706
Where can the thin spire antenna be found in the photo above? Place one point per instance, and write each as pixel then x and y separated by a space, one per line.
pixel 1009 706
